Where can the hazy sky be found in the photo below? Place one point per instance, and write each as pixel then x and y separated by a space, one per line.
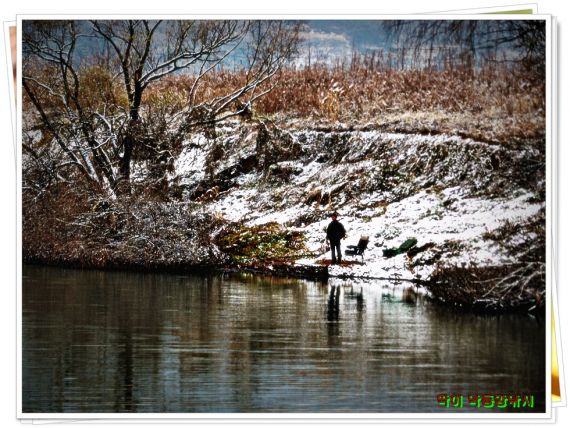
pixel 324 41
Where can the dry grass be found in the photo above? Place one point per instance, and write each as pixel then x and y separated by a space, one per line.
pixel 260 245
pixel 492 103
pixel 69 225
pixel 489 105
pixel 513 286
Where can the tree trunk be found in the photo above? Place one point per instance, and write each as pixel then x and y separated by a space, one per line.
pixel 124 181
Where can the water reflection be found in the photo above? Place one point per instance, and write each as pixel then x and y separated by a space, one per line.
pixel 127 342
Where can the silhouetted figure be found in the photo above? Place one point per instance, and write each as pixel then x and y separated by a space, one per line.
pixel 333 310
pixel 335 232
pixel 333 306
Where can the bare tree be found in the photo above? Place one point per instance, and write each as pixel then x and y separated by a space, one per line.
pixel 98 137
pixel 52 85
pixel 520 41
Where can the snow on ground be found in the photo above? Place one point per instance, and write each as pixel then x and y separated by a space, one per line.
pixel 191 161
pixel 418 217
pixel 440 216
pixel 421 216
pixel 236 205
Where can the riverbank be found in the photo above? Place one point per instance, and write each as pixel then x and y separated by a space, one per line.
pixel 258 198
pixel 458 295
pixel 314 273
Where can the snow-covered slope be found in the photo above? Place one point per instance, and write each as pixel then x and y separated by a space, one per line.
pixel 443 190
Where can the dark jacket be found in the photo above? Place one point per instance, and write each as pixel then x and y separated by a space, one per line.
pixel 335 231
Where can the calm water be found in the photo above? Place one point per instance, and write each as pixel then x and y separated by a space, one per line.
pixel 128 342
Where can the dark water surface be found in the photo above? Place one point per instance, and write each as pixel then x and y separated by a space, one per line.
pixel 127 342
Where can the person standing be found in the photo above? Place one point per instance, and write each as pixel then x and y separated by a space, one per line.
pixel 335 232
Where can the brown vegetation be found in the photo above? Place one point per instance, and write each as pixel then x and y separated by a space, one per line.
pixel 511 286
pixel 64 226
pixel 260 245
pixel 76 224
pixel 494 103
pixel 514 287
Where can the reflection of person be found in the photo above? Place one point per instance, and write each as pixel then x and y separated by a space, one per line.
pixel 333 306
pixel 335 232
pixel 333 309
